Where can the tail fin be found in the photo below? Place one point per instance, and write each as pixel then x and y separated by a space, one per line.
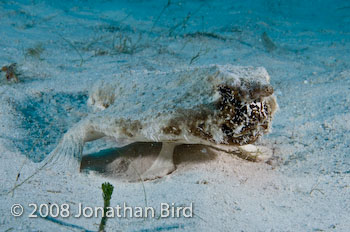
pixel 67 155
pixel 65 158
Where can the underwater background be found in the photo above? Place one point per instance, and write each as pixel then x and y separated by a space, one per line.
pixel 62 48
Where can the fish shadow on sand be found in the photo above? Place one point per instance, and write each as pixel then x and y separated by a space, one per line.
pixel 129 162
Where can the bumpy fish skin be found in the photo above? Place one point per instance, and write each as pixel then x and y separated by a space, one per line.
pixel 212 105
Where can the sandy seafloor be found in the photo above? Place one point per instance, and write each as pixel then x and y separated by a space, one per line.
pixel 63 47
